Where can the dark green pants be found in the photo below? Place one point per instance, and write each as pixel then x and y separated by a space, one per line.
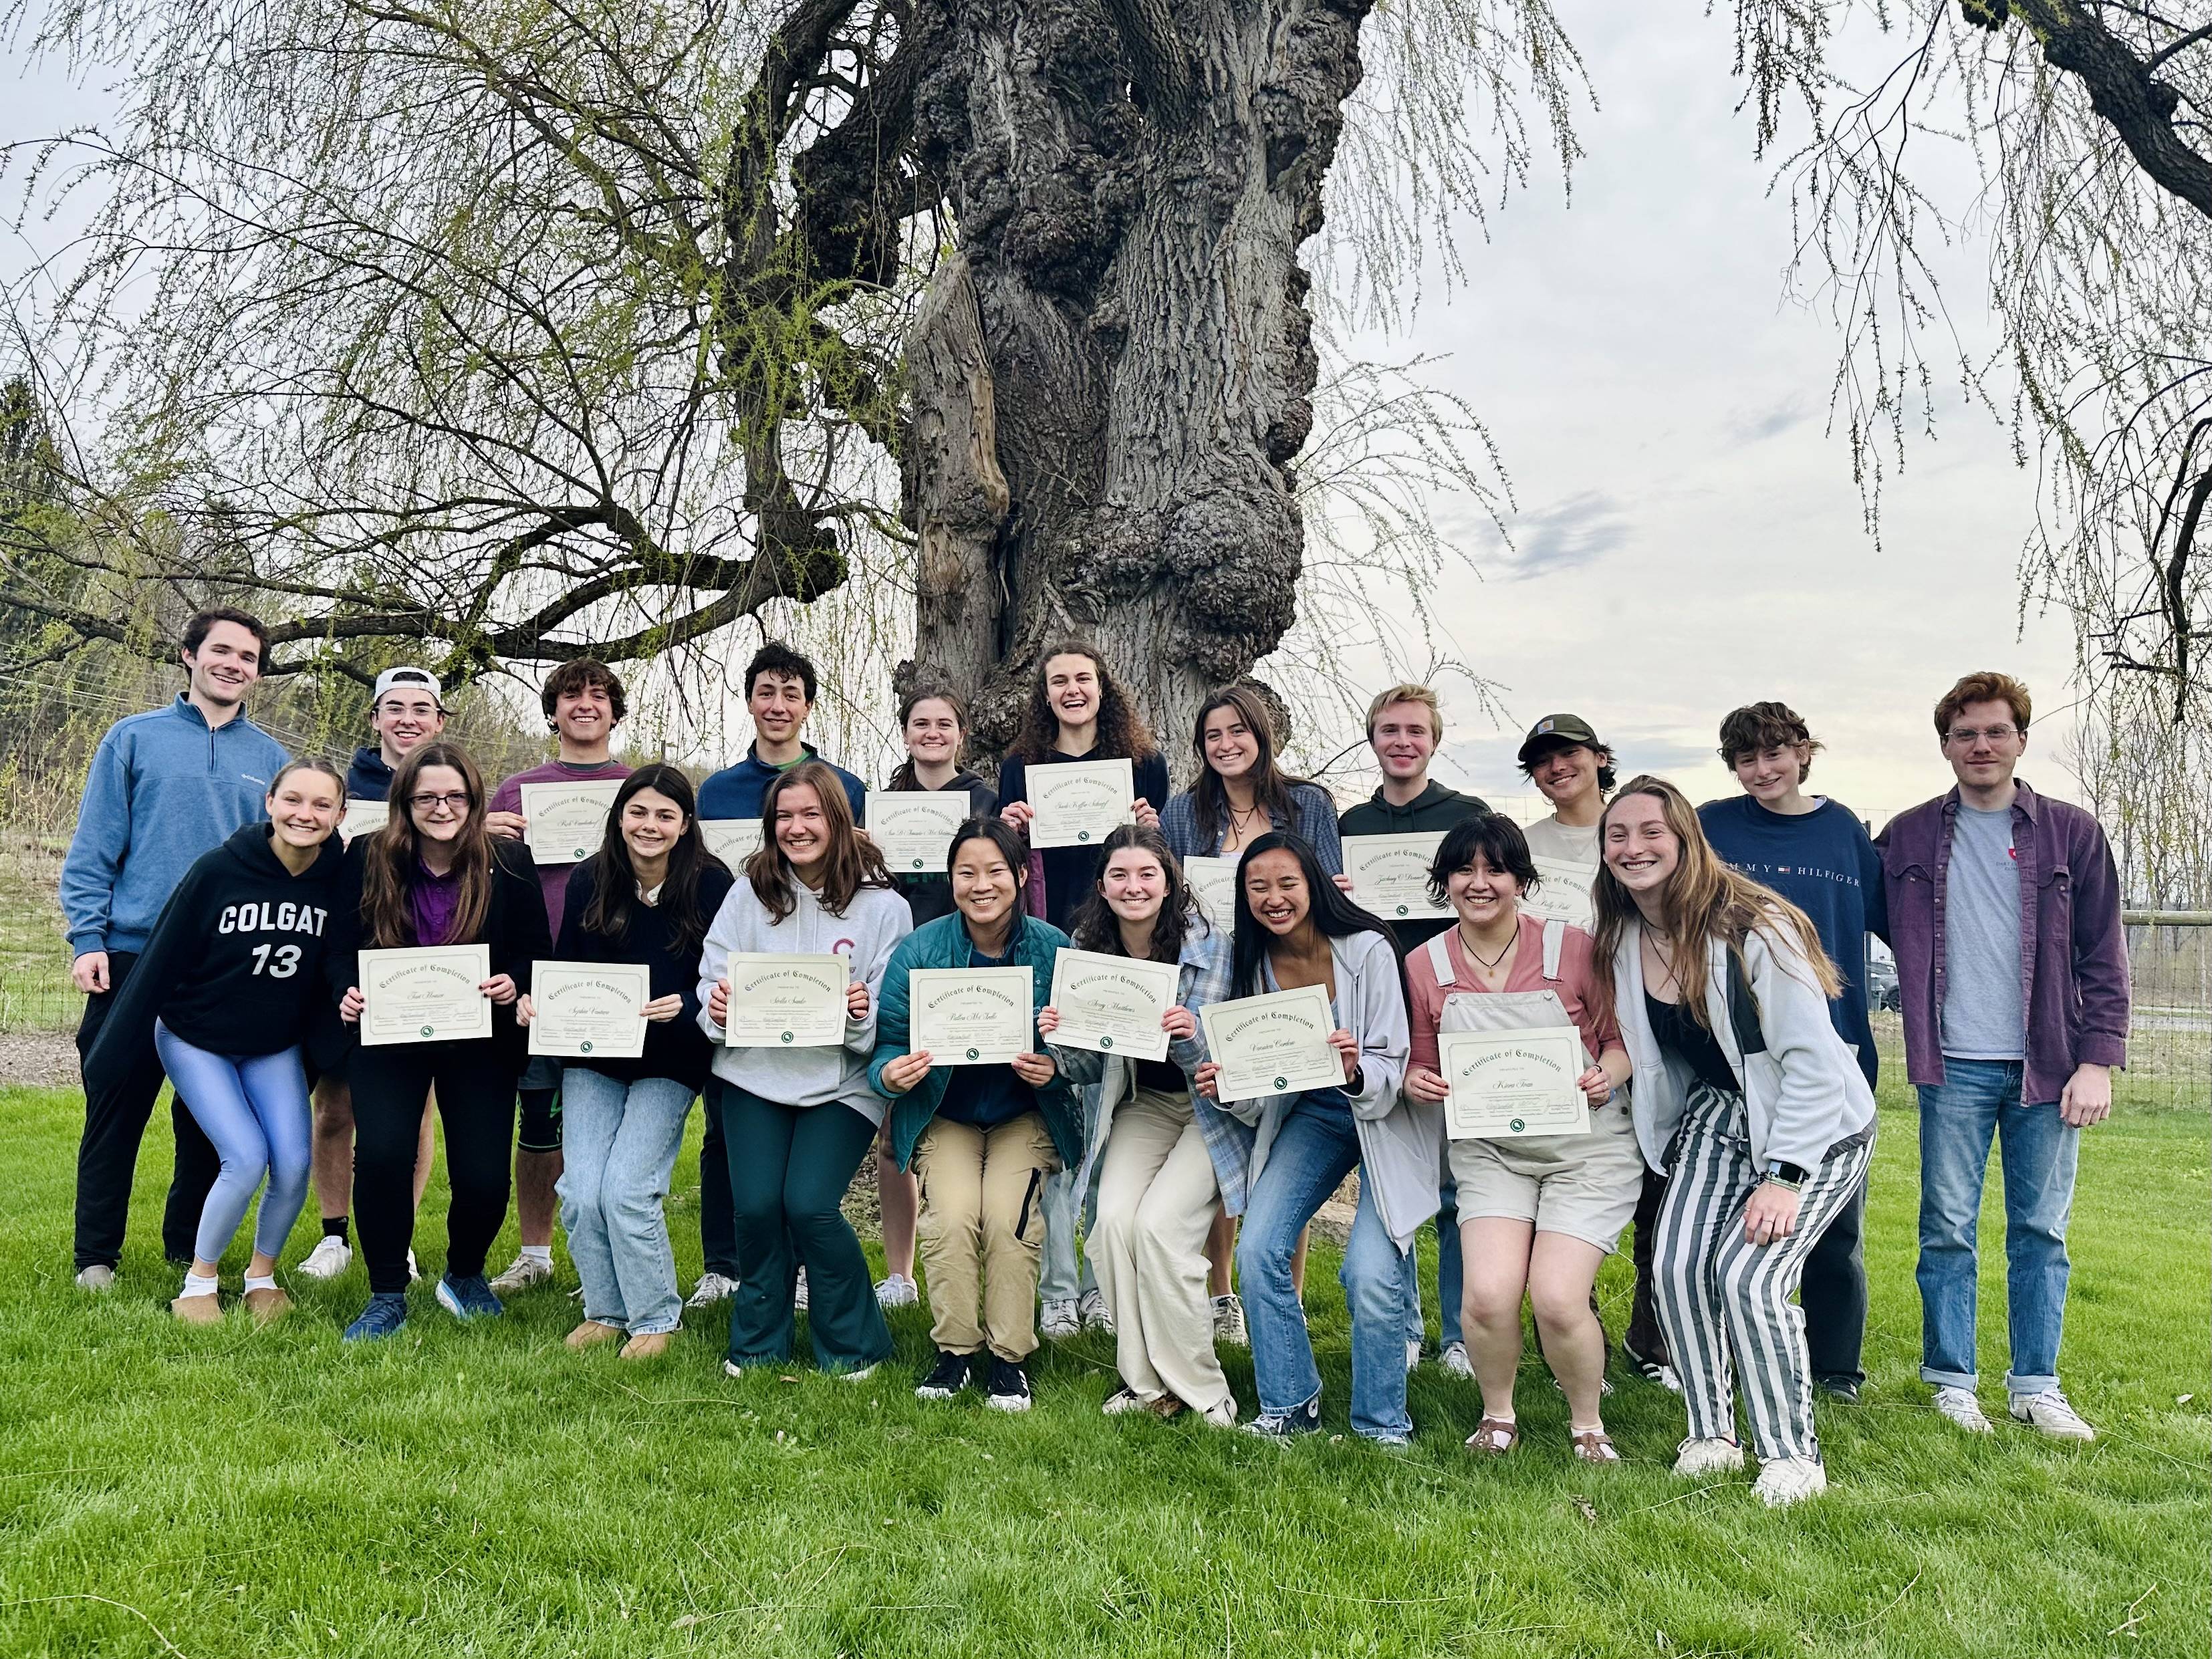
pixel 789 1168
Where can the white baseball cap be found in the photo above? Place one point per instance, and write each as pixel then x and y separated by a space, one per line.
pixel 398 678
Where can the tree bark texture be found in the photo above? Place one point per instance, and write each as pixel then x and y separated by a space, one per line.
pixel 1132 182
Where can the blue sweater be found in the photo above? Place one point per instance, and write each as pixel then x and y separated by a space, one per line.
pixel 163 790
pixel 735 792
pixel 1823 862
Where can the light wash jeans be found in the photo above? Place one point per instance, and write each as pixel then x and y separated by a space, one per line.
pixel 620 1140
pixel 1065 1272
pixel 1977 1099
pixel 1451 1272
pixel 1313 1151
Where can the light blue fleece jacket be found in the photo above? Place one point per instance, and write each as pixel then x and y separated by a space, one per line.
pixel 163 789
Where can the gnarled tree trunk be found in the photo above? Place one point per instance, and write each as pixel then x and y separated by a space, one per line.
pixel 1133 183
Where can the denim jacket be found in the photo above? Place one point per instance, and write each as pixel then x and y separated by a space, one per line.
pixel 2073 955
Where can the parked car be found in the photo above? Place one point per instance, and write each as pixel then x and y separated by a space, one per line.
pixel 1882 990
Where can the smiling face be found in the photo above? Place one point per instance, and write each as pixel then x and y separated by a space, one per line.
pixel 584 716
pixel 404 717
pixel 1404 740
pixel 1231 748
pixel 1134 884
pixel 1275 891
pixel 1071 689
pixel 223 670
pixel 801 826
pixel 1984 744
pixel 1771 776
pixel 304 806
pixel 1641 849
pixel 985 888
pixel 932 732
pixel 779 705
pixel 1482 896
pixel 651 824
pixel 439 807
pixel 1565 773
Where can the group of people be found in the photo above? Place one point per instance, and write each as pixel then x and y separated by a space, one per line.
pixel 1712 975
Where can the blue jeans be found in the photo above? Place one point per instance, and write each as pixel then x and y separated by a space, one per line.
pixel 1315 1148
pixel 1451 1274
pixel 254 1108
pixel 1978 1099
pixel 1065 1272
pixel 621 1141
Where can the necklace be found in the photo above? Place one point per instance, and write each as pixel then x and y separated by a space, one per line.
pixel 1491 966
pixel 1665 956
pixel 1237 820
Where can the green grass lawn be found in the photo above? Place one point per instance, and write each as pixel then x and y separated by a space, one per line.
pixel 167 1491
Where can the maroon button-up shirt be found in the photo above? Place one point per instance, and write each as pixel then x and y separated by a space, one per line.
pixel 2072 954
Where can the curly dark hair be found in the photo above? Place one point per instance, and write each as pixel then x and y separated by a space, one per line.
pixel 578 674
pixel 1122 734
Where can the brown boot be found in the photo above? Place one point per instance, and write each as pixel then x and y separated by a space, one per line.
pixel 198 1309
pixel 267 1305
pixel 591 1333
pixel 647 1344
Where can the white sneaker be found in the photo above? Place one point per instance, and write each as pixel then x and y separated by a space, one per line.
pixel 799 1295
pixel 1095 1315
pixel 1962 1408
pixel 1229 1321
pixel 1222 1415
pixel 521 1273
pixel 710 1289
pixel 331 1256
pixel 1455 1361
pixel 2049 1412
pixel 1786 1480
pixel 414 1273
pixel 1413 1353
pixel 1059 1319
pixel 97 1276
pixel 858 1374
pixel 897 1291
pixel 1697 1457
pixel 1122 1401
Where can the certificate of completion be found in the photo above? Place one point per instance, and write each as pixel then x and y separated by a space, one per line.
pixel 1078 802
pixel 1113 1004
pixel 564 822
pixel 915 828
pixel 786 1001
pixel 971 1015
pixel 1390 874
pixel 425 993
pixel 1506 1085
pixel 1214 882
pixel 1564 894
pixel 364 818
pixel 589 1009
pixel 731 839
pixel 1276 1044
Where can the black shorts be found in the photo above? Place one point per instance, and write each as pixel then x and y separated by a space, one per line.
pixel 540 1130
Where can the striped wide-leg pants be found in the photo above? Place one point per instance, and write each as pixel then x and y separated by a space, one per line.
pixel 1725 1302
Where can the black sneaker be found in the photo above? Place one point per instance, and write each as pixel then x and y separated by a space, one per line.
pixel 1009 1389
pixel 1287 1425
pixel 953 1372
pixel 1650 1369
pixel 1841 1387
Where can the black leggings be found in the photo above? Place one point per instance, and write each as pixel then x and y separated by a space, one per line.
pixel 475 1081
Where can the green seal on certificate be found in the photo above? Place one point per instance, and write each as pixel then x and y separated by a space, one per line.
pixel 918 863
pixel 788 1036
pixel 1282 1083
pixel 585 1045
pixel 1082 834
pixel 975 1053
pixel 429 1030
pixel 1405 910
pixel 582 852
pixel 1105 1042
pixel 1519 1126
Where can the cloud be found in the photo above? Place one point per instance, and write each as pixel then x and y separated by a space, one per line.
pixel 1578 531
pixel 1751 426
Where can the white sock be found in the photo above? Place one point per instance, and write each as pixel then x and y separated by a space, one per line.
pixel 262 1282
pixel 195 1286
pixel 539 1253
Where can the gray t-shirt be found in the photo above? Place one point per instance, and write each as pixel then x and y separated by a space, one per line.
pixel 1984 1013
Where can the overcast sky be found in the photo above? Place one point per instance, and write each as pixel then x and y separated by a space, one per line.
pixel 1689 536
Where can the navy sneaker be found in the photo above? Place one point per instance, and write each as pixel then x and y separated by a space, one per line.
pixel 953 1372
pixel 1008 1389
pixel 469 1299
pixel 1287 1425
pixel 386 1313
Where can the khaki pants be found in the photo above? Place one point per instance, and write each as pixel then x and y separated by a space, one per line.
pixel 1157 1195
pixel 982 1231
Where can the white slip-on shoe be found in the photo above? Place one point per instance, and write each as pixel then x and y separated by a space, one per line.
pixel 1697 1457
pixel 2048 1411
pixel 710 1289
pixel 1229 1321
pixel 1962 1408
pixel 1059 1320
pixel 1093 1314
pixel 331 1256
pixel 97 1276
pixel 1786 1480
pixel 520 1274
pixel 897 1291
pixel 1455 1360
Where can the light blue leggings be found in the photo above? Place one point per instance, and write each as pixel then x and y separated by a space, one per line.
pixel 254 1108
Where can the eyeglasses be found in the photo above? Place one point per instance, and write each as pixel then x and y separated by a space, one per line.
pixel 1967 736
pixel 458 801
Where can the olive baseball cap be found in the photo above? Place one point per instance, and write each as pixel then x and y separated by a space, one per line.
pixel 1556 732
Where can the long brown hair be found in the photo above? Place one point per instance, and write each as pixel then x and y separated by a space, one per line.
pixel 1122 733
pixel 614 877
pixel 1095 927
pixel 902 776
pixel 852 863
pixel 1704 899
pixel 1271 788
pixel 387 884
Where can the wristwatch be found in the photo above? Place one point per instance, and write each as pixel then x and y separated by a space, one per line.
pixel 1792 1175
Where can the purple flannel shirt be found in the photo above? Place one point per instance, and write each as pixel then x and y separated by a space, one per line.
pixel 2073 955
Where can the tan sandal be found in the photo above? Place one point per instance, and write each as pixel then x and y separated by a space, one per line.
pixel 1167 1406
pixel 267 1305
pixel 591 1333
pixel 1495 1436
pixel 647 1344
pixel 1595 1446
pixel 198 1309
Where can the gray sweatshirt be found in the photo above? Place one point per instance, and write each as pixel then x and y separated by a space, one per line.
pixel 872 927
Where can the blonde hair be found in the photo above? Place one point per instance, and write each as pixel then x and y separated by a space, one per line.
pixel 1419 694
pixel 1704 899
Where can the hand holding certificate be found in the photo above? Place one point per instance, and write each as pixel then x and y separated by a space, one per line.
pixel 913 828
pixel 1506 1085
pixel 1113 1004
pixel 589 1010
pixel 1077 802
pixel 425 993
pixel 971 1015
pixel 1275 1044
pixel 1390 874
pixel 566 821
pixel 777 1001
